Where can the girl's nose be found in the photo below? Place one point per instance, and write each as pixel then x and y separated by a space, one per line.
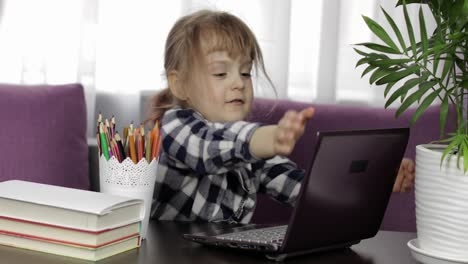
pixel 238 82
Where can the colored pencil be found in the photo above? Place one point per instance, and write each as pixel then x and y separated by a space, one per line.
pixel 137 143
pixel 116 151
pixel 131 145
pixel 103 142
pixel 158 147
pixel 148 148
pixel 140 147
pixel 142 132
pixel 125 135
pixel 155 137
pixel 120 146
pixel 98 141
pixel 111 153
pixel 113 126
pixel 99 121
pixel 109 130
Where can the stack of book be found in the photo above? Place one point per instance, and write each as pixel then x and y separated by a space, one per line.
pixel 69 222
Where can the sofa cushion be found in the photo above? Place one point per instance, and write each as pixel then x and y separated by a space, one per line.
pixel 43 134
pixel 400 214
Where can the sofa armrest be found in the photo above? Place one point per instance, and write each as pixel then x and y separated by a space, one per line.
pixel 93 162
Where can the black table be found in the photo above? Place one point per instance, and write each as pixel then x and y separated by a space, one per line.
pixel 164 244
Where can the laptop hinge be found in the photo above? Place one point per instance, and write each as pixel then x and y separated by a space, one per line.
pixel 282 256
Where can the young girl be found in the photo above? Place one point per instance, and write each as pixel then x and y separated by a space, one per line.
pixel 213 164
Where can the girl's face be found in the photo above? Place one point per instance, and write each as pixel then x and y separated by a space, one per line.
pixel 222 91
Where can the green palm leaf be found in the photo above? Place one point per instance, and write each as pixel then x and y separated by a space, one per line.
pixel 396 76
pixel 409 26
pixel 368 69
pixel 423 106
pixel 437 51
pixel 433 48
pixel 443 113
pixel 402 91
pixel 388 88
pixel 448 64
pixel 450 139
pixel 379 73
pixel 360 52
pixel 362 61
pixel 464 149
pixel 403 2
pixel 422 25
pixel 389 62
pixel 456 141
pixel 379 47
pixel 423 88
pixel 395 29
pixel 464 84
pixel 380 32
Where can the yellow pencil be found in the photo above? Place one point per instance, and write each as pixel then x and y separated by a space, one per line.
pixel 148 148
pixel 142 132
pixel 125 135
pixel 131 145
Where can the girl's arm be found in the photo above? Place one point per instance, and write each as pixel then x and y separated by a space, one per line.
pixel 269 141
pixel 206 149
pixel 280 178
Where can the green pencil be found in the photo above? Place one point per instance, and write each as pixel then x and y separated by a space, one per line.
pixel 103 142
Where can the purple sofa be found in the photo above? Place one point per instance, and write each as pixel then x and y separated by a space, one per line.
pixel 400 214
pixel 43 139
pixel 43 134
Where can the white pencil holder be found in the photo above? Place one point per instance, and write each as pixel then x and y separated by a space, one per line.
pixel 130 180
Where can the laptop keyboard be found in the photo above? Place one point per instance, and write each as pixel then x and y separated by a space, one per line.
pixel 269 235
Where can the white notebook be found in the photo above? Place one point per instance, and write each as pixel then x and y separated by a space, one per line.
pixel 68 207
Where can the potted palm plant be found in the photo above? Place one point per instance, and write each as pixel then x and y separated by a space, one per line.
pixel 430 68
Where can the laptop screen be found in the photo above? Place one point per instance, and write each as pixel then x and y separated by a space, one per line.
pixel 347 188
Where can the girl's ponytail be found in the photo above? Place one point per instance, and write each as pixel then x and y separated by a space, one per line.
pixel 159 104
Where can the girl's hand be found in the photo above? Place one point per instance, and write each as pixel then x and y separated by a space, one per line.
pixel 405 178
pixel 289 129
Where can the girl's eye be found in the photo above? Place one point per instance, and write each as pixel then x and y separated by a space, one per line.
pixel 222 74
pixel 246 74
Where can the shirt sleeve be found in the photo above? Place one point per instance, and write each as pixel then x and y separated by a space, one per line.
pixel 280 178
pixel 207 148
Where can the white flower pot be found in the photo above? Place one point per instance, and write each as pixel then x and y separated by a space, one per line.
pixel 129 179
pixel 441 203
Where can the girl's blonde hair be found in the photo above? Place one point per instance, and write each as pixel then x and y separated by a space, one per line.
pixel 217 31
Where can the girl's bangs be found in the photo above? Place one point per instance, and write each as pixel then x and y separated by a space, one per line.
pixel 236 43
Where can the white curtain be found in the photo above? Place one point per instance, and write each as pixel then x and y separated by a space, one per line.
pixel 116 46
pixel 49 41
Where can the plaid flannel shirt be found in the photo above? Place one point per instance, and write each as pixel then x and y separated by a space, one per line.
pixel 206 171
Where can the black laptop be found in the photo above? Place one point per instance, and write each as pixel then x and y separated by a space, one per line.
pixel 342 199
